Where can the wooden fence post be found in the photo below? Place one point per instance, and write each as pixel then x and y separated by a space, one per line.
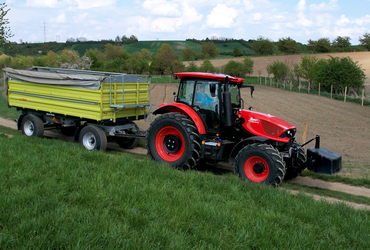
pixel 290 86
pixel 304 133
pixel 363 93
pixel 4 82
pixel 319 88
pixel 331 92
pixel 265 80
pixel 309 86
pixel 345 94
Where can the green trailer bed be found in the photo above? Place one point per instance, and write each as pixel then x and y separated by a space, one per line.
pixel 88 95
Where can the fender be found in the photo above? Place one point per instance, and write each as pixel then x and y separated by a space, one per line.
pixel 183 109
pixel 243 143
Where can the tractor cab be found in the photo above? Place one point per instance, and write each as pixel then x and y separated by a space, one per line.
pixel 212 96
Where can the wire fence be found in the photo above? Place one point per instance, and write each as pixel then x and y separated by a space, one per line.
pixel 314 89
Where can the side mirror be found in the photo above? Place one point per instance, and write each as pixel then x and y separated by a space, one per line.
pixel 212 89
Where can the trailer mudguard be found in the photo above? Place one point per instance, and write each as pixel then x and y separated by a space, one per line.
pixel 183 109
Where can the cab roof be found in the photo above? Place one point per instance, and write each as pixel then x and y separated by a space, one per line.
pixel 214 76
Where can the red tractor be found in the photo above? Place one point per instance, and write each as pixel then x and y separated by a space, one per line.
pixel 207 124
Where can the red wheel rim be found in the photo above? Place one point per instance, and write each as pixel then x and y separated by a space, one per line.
pixel 160 144
pixel 256 169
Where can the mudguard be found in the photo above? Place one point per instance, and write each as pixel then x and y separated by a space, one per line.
pixel 243 143
pixel 183 109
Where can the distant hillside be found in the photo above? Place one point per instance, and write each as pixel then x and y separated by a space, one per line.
pixel 36 49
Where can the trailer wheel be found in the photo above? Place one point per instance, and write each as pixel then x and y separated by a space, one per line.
pixel 295 168
pixel 92 137
pixel 260 163
pixel 32 126
pixel 173 138
pixel 129 142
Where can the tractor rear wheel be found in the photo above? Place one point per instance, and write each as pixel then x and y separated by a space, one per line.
pixel 296 167
pixel 173 138
pixel 260 163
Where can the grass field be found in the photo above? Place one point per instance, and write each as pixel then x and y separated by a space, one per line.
pixel 55 194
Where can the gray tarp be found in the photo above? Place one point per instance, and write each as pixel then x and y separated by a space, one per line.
pixel 59 79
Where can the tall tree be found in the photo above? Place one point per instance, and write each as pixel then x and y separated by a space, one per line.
pixel 5 32
pixel 342 42
pixel 188 53
pixel 209 49
pixel 365 40
pixel 278 69
pixel 263 46
pixel 288 45
pixel 322 45
pixel 249 63
pixel 166 60
pixel 307 66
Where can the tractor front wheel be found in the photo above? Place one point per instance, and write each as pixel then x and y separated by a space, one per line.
pixel 260 163
pixel 173 138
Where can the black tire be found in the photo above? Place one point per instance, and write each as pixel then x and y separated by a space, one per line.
pixel 260 163
pixel 32 126
pixel 92 137
pixel 128 142
pixel 174 139
pixel 68 131
pixel 296 167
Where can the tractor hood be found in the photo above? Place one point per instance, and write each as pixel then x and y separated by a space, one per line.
pixel 268 126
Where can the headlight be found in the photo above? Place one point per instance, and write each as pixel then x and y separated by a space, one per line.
pixel 289 133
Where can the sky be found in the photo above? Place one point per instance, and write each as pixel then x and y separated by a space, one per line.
pixel 57 20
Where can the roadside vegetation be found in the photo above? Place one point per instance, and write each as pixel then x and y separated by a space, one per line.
pixel 50 200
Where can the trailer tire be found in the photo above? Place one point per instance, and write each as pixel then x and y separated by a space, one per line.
pixel 174 139
pixel 32 126
pixel 260 163
pixel 296 168
pixel 92 137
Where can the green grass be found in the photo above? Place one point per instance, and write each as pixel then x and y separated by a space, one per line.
pixel 153 46
pixel 55 194
pixel 229 48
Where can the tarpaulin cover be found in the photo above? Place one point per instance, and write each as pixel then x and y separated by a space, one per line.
pixel 67 80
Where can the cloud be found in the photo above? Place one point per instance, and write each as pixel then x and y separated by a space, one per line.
pixel 248 5
pixel 88 4
pixel 221 17
pixel 343 21
pixel 301 6
pixel 59 19
pixel 332 5
pixel 303 21
pixel 42 3
pixel 162 7
pixel 363 20
pixel 257 16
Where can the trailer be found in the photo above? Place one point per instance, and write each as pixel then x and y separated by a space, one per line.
pixel 94 107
